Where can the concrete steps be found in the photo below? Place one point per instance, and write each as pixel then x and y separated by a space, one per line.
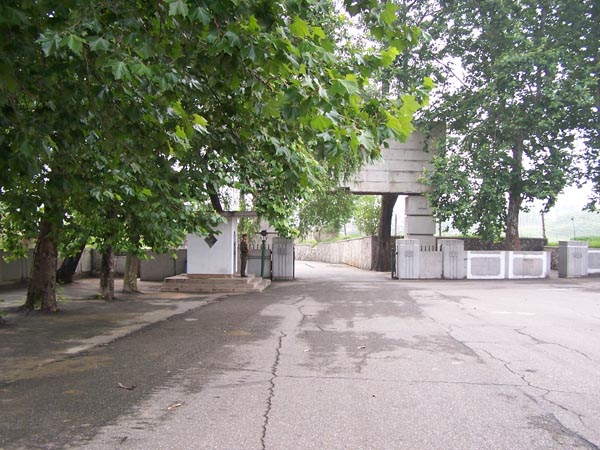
pixel 207 285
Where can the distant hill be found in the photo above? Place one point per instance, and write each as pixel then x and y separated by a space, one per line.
pixel 560 224
pixel 565 221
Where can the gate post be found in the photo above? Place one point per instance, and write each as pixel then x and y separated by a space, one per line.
pixel 283 258
pixel 572 259
pixel 453 258
pixel 407 259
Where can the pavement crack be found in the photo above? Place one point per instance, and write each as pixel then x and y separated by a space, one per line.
pixel 271 390
pixel 562 433
pixel 506 365
pixel 580 417
pixel 541 341
pixel 544 395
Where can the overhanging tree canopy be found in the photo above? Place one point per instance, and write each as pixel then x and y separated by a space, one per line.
pixel 124 118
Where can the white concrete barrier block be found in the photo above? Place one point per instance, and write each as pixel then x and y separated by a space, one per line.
pixel 486 265
pixel 593 261
pixel 528 264
pixel 572 259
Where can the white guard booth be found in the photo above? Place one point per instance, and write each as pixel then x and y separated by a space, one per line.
pixel 216 255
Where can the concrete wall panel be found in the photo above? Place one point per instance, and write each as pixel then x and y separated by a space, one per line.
pixel 593 261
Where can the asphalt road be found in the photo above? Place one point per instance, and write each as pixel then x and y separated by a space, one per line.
pixel 338 359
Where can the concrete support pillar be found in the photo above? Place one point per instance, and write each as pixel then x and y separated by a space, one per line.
pixel 419 223
pixel 453 258
pixel 572 259
pixel 407 258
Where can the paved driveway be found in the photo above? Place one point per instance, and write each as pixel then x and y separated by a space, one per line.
pixel 348 359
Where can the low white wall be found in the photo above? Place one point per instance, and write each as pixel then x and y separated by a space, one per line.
pixel 15 271
pixel 593 261
pixel 494 265
pixel 353 252
pixel 156 268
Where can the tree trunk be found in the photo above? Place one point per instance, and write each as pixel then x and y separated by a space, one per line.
pixel 512 241
pixel 515 197
pixel 382 259
pixel 107 274
pixel 42 283
pixel 132 266
pixel 67 269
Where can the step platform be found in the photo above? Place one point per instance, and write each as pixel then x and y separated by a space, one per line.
pixel 212 285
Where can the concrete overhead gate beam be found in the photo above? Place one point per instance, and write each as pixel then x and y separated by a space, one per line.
pixel 400 171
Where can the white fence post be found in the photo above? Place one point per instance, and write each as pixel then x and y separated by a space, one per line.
pixel 572 259
pixel 453 258
pixel 407 258
pixel 283 258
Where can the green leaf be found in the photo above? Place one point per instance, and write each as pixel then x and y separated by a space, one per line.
pixel 141 69
pixel 178 8
pixel 366 139
pixel 299 28
pixel 389 13
pixel 428 83
pixel 98 44
pixel 409 105
pixel 199 120
pixel 180 132
pixel 120 70
pixel 50 42
pixel 233 38
pixel 200 14
pixel 321 123
pixel 389 56
pixel 253 25
pixel 74 42
pixel 402 126
pixel 345 86
pixel 319 33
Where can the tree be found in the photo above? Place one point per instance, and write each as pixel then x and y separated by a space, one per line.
pixel 63 152
pixel 510 119
pixel 170 101
pixel 580 24
pixel 381 259
pixel 330 209
pixel 366 214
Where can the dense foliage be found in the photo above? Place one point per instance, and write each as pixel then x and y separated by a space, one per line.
pixel 329 210
pixel 121 121
pixel 366 214
pixel 513 118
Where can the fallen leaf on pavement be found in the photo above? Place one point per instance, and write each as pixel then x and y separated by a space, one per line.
pixel 175 405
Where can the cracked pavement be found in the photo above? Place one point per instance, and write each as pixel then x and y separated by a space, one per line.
pixel 339 358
